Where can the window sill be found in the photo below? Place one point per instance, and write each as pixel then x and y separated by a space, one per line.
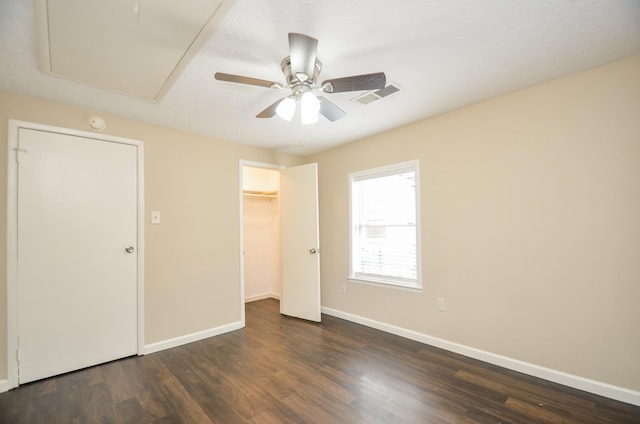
pixel 385 284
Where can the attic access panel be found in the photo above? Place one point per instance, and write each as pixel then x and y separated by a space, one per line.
pixel 137 47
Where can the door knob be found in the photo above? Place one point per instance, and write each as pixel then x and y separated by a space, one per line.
pixel 313 251
pixel 129 249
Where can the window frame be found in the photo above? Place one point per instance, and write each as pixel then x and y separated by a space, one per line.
pixel 372 173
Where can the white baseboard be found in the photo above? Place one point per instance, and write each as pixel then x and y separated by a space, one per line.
pixel 193 337
pixel 603 389
pixel 5 386
pixel 262 296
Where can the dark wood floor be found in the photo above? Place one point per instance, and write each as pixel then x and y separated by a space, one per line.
pixel 283 370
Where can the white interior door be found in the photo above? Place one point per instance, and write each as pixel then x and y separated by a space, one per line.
pixel 300 242
pixel 77 283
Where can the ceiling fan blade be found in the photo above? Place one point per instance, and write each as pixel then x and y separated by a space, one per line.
pixel 330 110
pixel 374 81
pixel 220 76
pixel 270 111
pixel 302 53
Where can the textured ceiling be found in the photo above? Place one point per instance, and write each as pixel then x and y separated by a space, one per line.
pixel 442 54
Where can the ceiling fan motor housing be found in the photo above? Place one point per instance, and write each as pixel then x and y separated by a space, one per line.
pixel 294 81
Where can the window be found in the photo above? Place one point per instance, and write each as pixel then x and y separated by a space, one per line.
pixel 384 225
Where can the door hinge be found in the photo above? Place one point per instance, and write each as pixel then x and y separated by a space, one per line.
pixel 18 151
pixel 18 364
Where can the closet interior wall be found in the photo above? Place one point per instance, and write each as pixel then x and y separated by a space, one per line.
pixel 262 246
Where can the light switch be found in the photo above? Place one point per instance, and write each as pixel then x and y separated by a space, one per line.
pixel 155 217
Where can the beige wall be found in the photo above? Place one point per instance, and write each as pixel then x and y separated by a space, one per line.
pixel 530 216
pixel 192 268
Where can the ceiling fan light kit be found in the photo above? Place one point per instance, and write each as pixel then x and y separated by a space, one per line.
pixel 310 106
pixel 301 70
pixel 286 108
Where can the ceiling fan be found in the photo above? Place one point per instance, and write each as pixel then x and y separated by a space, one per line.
pixel 301 70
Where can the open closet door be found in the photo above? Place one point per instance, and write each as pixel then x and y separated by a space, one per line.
pixel 300 242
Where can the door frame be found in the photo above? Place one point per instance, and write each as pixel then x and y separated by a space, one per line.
pixel 12 233
pixel 242 163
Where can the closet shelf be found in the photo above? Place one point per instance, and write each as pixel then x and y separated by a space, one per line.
pixel 270 194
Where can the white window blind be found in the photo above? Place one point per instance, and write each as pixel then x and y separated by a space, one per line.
pixel 384 225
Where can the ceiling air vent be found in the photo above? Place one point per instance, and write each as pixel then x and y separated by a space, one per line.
pixel 373 96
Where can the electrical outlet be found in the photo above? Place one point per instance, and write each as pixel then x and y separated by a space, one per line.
pixel 343 288
pixel 440 304
pixel 155 217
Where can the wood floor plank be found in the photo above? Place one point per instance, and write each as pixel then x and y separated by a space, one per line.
pixel 580 409
pixel 130 411
pixel 120 383
pixel 97 404
pixel 538 411
pixel 285 370
pixel 180 400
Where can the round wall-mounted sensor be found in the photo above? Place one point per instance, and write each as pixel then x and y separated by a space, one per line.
pixel 96 123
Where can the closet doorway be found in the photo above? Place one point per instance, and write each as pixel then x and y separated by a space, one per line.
pixel 280 255
pixel 262 248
